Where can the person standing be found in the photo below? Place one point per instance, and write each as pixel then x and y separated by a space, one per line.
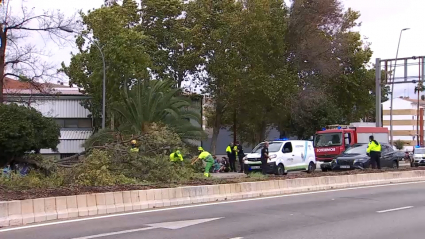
pixel 241 155
pixel 207 157
pixel 231 154
pixel 374 151
pixel 264 157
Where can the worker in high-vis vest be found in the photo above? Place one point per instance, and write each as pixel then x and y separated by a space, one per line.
pixel 231 153
pixel 134 148
pixel 207 157
pixel 176 156
pixel 374 150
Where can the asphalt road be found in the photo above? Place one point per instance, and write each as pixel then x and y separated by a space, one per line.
pixel 383 212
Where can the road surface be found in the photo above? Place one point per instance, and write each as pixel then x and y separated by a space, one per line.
pixel 377 212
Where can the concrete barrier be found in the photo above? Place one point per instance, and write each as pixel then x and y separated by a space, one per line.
pixel 101 203
pixel 82 205
pixel 4 214
pixel 39 210
pixel 110 203
pixel 27 209
pixel 118 201
pixel 126 196
pixel 14 213
pixel 91 204
pixel 50 209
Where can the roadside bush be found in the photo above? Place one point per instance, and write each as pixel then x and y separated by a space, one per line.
pixel 153 169
pixel 399 144
pixel 95 171
pixel 33 180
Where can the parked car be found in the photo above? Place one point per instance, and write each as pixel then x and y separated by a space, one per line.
pixel 400 155
pixel 355 157
pixel 418 157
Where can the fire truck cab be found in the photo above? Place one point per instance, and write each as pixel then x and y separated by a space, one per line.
pixel 335 139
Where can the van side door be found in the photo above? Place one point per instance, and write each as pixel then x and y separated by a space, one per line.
pixel 292 156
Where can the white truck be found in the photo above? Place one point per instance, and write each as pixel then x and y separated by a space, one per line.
pixel 284 156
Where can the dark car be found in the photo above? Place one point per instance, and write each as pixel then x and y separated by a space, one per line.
pixel 355 157
pixel 401 155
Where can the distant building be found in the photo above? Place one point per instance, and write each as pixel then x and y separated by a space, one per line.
pixel 405 119
pixel 59 102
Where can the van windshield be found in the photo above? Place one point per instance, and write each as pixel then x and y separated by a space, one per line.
pixel 327 139
pixel 273 147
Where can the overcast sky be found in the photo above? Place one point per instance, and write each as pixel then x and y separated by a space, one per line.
pixel 381 20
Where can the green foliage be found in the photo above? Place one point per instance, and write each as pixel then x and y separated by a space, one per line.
pixel 95 171
pixel 151 102
pixel 115 30
pixel 24 129
pixel 399 144
pixel 168 32
pixel 265 64
pixel 33 180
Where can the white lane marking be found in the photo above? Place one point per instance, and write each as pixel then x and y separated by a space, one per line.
pixel 199 205
pixel 116 233
pixel 395 209
pixel 237 238
pixel 168 225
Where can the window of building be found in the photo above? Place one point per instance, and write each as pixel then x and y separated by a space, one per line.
pixel 74 123
pixel 71 123
pixel 84 123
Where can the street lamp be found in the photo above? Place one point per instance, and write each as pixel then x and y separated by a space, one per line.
pixel 104 75
pixel 392 86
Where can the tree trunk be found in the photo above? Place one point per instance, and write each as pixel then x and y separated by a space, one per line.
pixel 234 128
pixel 216 126
pixel 2 61
pixel 112 122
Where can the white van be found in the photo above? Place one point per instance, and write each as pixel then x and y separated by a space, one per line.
pixel 285 155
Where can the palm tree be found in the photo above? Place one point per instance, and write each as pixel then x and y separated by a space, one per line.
pixel 157 101
pixel 420 87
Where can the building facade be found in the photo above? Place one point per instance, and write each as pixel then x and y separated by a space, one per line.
pixel 61 103
pixel 407 120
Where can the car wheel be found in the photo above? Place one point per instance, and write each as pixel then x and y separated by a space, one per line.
pixel 311 167
pixel 395 164
pixel 280 170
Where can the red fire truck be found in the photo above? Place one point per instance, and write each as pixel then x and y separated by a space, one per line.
pixel 334 139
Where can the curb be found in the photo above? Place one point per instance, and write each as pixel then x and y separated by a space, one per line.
pixel 21 212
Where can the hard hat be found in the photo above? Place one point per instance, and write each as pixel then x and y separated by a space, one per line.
pixel 133 141
pixel 200 149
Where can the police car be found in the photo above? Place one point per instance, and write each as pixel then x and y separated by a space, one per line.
pixel 418 157
pixel 285 155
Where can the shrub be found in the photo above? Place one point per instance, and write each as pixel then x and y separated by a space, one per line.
pixel 95 171
pixel 24 129
pixel 33 180
pixel 399 144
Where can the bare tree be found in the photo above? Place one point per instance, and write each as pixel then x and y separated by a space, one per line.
pixel 19 57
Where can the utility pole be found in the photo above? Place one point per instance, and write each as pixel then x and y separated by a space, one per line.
pixel 392 87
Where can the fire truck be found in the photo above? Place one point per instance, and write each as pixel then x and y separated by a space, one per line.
pixel 335 139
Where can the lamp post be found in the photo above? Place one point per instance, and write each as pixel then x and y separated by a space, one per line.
pixel 392 87
pixel 104 74
pixel 103 83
